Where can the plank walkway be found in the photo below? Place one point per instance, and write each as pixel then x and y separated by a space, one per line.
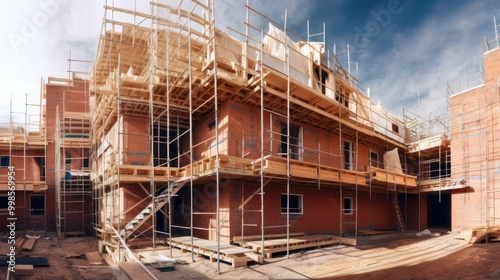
pixel 295 243
pixel 235 255
pixel 134 271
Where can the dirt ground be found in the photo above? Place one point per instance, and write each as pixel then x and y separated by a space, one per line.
pixel 387 256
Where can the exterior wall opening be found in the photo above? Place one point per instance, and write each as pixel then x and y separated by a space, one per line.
pixel 439 210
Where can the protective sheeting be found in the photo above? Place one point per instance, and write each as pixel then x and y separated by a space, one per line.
pixel 392 162
pixel 275 54
pixel 386 124
pixel 361 105
pixel 228 49
pixel 314 51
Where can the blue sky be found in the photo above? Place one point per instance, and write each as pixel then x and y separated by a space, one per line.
pixel 401 46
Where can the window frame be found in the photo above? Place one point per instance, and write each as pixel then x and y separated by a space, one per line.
pixel 372 160
pixel 348 210
pixel 395 128
pixel 68 158
pixel 2 159
pixel 85 163
pixel 43 211
pixel 348 165
pixel 4 210
pixel 300 204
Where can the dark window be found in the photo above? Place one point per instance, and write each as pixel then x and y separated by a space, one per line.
pixel 85 162
pixel 4 161
pixel 348 206
pixel 68 158
pixel 37 205
pixel 295 149
pixel 347 147
pixel 177 203
pixel 374 159
pixel 4 200
pixel 395 128
pixel 211 125
pixel 295 204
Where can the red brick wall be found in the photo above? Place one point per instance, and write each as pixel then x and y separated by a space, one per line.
pixel 75 101
pixel 321 210
pixel 136 141
pixel 474 146
pixel 244 126
pixel 32 222
pixel 204 132
pixel 32 169
pixel 467 151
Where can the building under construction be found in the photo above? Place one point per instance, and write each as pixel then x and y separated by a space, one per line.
pixel 241 145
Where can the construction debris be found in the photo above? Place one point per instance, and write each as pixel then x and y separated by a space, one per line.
pixel 94 257
pixel 29 244
pixel 427 232
pixel 24 270
pixel 479 235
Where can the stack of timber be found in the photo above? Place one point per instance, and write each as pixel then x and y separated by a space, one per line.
pixel 479 234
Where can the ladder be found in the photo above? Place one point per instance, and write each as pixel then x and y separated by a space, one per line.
pixel 395 202
pixel 150 209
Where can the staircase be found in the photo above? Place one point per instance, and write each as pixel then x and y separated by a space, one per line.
pixel 395 202
pixel 152 207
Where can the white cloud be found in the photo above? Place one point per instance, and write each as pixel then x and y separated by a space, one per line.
pixel 233 14
pixel 438 51
pixel 443 46
pixel 36 39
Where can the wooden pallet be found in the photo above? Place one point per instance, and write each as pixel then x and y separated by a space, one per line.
pixel 242 240
pixel 373 232
pixel 236 256
pixel 280 245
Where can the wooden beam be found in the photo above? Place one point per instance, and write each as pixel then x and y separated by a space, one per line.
pixel 254 193
pixel 326 114
pixel 29 244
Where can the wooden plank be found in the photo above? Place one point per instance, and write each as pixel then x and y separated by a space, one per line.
pixel 240 239
pixel 19 242
pixel 280 245
pixel 228 253
pixel 29 244
pixel 94 257
pixel 373 232
pixel 134 270
pixel 384 176
pixel 253 194
pixel 348 241
pixel 24 270
pixel 269 252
